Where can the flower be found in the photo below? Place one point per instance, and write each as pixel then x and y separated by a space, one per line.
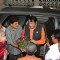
pixel 22 41
pixel 22 38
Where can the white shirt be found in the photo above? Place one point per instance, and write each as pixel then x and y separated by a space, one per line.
pixel 53 53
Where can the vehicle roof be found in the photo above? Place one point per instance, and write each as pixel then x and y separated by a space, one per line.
pixel 5 12
pixel 26 10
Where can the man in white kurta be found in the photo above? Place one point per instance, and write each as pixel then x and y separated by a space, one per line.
pixel 54 50
pixel 53 53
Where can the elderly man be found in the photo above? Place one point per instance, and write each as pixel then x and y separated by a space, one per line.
pixel 30 51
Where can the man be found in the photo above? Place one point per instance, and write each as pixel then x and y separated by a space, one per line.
pixel 53 38
pixel 30 50
pixel 12 33
pixel 35 32
pixel 54 50
pixel 50 27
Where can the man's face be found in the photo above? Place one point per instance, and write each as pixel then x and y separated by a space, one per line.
pixel 54 40
pixel 14 25
pixel 32 24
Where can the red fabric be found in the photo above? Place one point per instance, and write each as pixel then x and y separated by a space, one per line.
pixel 1 59
pixel 2 50
pixel 1 43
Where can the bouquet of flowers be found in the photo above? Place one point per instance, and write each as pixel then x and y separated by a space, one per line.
pixel 22 41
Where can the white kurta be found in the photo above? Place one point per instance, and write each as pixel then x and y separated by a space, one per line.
pixel 53 53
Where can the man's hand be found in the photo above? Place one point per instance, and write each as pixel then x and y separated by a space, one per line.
pixel 33 41
pixel 48 44
pixel 23 50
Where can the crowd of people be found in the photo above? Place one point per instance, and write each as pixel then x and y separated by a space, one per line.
pixel 9 50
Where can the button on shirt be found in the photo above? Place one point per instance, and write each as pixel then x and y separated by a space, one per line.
pixel 53 53
pixel 12 36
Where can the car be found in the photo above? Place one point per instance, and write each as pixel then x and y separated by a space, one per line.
pixel 41 14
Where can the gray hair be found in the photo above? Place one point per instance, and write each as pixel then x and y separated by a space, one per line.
pixel 31 48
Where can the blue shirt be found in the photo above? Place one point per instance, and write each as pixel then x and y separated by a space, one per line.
pixel 12 36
